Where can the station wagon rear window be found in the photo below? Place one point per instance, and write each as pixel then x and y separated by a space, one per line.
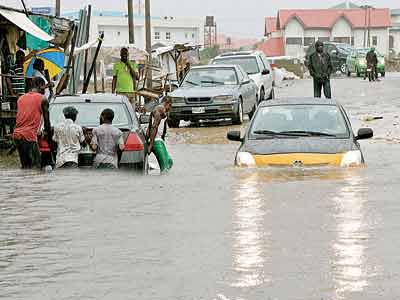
pixel 89 113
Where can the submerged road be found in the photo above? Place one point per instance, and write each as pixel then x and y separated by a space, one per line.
pixel 208 230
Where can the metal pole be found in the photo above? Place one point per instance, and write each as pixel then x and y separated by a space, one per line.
pixel 87 79
pixel 365 27
pixel 87 40
pixel 58 8
pixel 369 26
pixel 130 22
pixel 26 11
pixel 148 42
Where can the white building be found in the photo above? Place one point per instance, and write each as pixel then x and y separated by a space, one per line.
pixel 165 30
pixel 394 38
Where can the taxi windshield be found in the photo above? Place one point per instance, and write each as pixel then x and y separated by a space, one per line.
pixel 300 120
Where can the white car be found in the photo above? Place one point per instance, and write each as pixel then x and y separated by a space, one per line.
pixel 256 65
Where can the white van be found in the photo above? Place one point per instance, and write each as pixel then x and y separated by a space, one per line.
pixel 256 65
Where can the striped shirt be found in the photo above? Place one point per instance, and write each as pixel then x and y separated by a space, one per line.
pixel 17 83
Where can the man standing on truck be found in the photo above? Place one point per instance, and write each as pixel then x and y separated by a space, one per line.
pixel 156 133
pixel 31 107
pixel 124 77
pixel 320 67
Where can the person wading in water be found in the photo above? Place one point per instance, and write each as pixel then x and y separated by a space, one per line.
pixel 320 67
pixel 31 107
pixel 156 133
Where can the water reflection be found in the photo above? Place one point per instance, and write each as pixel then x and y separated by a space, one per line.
pixel 250 236
pixel 350 265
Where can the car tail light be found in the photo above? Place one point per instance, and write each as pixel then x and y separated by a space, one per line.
pixel 133 143
pixel 43 145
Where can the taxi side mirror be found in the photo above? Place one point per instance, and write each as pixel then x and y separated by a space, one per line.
pixel 234 136
pixel 364 133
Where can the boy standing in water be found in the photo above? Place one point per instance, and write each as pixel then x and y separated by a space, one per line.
pixel 156 133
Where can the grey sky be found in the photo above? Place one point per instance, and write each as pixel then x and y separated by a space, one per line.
pixel 234 17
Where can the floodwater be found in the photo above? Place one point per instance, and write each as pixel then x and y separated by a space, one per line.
pixel 208 230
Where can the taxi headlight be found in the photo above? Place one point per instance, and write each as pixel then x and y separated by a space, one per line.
pixel 245 159
pixel 351 159
pixel 226 98
pixel 362 61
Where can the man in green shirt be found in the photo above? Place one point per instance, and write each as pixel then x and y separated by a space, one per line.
pixel 124 77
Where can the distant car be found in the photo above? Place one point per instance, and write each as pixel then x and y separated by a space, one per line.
pixel 357 62
pixel 89 109
pixel 213 92
pixel 256 65
pixel 338 53
pixel 300 132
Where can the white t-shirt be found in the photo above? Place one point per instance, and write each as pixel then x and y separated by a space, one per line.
pixel 69 137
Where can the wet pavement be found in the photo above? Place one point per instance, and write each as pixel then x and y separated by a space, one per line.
pixel 208 230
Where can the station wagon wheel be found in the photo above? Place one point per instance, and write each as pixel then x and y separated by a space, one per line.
pixel 238 119
pixel 172 123
pixel 343 68
pixel 262 96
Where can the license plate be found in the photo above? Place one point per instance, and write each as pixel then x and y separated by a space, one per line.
pixel 198 110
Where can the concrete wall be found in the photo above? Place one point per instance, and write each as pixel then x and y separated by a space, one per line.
pixel 294 29
pixel 342 28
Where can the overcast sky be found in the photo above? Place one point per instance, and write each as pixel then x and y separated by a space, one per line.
pixel 243 18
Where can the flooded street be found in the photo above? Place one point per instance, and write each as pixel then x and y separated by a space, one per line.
pixel 208 230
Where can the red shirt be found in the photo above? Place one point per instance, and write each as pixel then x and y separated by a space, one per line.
pixel 29 117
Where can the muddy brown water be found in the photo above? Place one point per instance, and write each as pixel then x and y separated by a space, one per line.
pixel 206 230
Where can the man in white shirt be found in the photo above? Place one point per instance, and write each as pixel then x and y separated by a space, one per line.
pixel 69 138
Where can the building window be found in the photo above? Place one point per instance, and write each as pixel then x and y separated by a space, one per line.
pixel 294 41
pixel 168 35
pixel 323 39
pixel 391 42
pixel 352 40
pixel 374 40
pixel 308 41
pixel 193 35
pixel 157 35
pixel 186 35
pixel 118 33
pixel 342 39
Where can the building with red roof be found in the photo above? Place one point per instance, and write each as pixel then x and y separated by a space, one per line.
pixel 299 28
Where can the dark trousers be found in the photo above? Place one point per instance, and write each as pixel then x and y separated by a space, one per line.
pixel 326 85
pixel 29 154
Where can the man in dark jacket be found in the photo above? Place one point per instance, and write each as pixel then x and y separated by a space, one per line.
pixel 320 67
pixel 372 63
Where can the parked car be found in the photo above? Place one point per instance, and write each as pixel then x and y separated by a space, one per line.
pixel 338 53
pixel 357 62
pixel 89 109
pixel 213 92
pixel 300 132
pixel 256 65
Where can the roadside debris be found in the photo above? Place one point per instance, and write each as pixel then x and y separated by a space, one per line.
pixel 370 118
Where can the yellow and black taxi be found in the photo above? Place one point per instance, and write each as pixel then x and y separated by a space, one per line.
pixel 300 132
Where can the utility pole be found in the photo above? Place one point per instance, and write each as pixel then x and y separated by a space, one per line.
pixel 130 22
pixel 148 42
pixel 58 9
